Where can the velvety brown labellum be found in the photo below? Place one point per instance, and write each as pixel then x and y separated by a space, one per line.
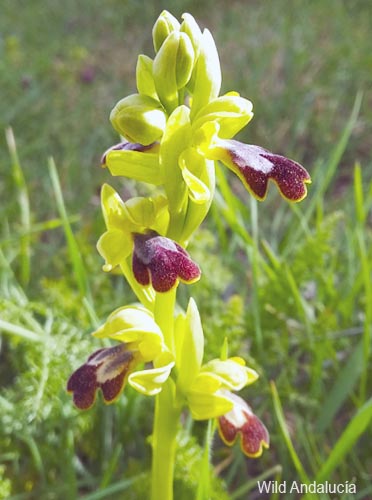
pixel 161 262
pixel 256 166
pixel 106 369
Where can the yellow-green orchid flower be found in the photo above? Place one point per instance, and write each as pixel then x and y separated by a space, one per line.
pixel 254 165
pixel 133 230
pixel 208 390
pixel 207 395
pixel 211 396
pixel 110 368
pixel 137 215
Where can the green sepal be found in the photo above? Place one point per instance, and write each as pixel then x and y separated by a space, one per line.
pixel 207 141
pixel 224 350
pixel 190 347
pixel 176 138
pixel 113 207
pixel 136 327
pixel 114 246
pixel 145 295
pixel 142 166
pixel 139 118
pixel 144 77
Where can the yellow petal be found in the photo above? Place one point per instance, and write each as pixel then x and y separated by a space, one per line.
pixel 230 111
pixel 135 326
pixel 193 167
pixel 205 406
pixel 232 372
pixel 150 382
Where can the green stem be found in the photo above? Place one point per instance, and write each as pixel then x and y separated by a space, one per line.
pixel 164 443
pixel 166 414
pixel 164 316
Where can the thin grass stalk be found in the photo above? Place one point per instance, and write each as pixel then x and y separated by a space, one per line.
pixel 204 485
pixel 24 206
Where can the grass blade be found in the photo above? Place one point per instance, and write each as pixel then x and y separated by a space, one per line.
pixel 353 431
pixel 287 439
pixel 20 331
pixel 343 386
pixel 326 173
pixel 276 471
pixel 113 488
pixel 73 248
pixel 362 247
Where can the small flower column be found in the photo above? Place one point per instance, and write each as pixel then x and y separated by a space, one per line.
pixel 173 130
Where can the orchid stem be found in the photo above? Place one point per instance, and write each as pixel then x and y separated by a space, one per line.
pixel 164 443
pixel 164 316
pixel 164 438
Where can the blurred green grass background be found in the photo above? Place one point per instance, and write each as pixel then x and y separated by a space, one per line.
pixel 301 310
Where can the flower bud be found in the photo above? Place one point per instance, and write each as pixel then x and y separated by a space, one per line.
pixel 172 68
pixel 144 78
pixel 207 82
pixel 164 25
pixel 139 118
pixel 191 28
